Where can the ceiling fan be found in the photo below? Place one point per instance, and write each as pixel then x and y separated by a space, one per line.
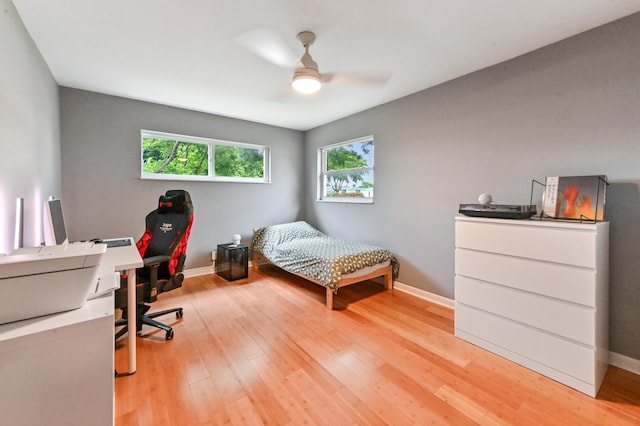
pixel 306 78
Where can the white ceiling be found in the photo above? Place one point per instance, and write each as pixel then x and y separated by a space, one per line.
pixel 193 53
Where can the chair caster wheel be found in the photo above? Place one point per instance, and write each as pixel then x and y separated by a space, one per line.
pixel 179 314
pixel 169 335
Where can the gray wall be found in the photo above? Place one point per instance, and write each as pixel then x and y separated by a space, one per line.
pixel 104 197
pixel 29 130
pixel 568 109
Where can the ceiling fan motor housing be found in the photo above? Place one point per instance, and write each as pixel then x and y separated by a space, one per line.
pixel 308 65
pixel 306 78
pixel 307 38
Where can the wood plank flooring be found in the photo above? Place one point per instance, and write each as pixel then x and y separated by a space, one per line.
pixel 267 351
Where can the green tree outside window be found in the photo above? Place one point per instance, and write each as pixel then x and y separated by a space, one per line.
pixel 348 169
pixel 187 157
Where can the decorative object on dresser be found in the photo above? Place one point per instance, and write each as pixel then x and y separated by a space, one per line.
pixel 489 208
pixel 575 197
pixel 498 211
pixel 536 292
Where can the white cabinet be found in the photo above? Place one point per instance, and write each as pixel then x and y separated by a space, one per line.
pixel 537 293
pixel 58 369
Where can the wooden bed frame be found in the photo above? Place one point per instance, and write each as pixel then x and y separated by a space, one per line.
pixel 384 271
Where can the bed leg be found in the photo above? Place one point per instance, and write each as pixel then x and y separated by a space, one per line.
pixel 256 260
pixel 329 300
pixel 388 280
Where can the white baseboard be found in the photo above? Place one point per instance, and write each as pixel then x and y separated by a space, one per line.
pixel 624 362
pixel 424 294
pixel 196 272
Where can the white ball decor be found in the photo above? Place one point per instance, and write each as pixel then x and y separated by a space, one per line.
pixel 236 239
pixel 485 198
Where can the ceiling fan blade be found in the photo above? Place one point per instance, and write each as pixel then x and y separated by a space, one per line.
pixel 374 80
pixel 269 45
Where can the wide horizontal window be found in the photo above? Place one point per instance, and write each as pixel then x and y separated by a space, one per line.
pixel 180 157
pixel 346 171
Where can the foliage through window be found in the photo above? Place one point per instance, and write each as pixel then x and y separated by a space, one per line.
pixel 179 157
pixel 346 171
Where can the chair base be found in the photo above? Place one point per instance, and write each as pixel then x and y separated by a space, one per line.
pixel 148 319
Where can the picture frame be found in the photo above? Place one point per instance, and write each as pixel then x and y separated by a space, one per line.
pixel 580 198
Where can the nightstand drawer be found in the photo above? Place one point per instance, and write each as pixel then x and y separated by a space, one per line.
pixel 570 283
pixel 568 320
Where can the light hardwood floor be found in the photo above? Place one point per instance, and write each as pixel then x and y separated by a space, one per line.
pixel 267 351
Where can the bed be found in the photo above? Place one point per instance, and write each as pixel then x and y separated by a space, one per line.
pixel 301 249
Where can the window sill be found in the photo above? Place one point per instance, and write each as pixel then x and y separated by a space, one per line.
pixel 339 200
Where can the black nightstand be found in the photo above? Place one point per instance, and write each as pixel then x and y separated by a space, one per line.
pixel 232 261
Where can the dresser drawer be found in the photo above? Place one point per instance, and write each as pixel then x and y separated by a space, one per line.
pixel 551 351
pixel 571 246
pixel 568 320
pixel 570 283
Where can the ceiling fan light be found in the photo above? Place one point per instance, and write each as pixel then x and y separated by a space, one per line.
pixel 306 82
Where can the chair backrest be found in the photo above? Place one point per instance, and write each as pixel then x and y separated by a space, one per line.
pixel 167 231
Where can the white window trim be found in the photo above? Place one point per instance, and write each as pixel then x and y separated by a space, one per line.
pixel 211 143
pixel 322 165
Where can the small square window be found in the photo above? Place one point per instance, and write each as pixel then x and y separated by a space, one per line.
pixel 346 171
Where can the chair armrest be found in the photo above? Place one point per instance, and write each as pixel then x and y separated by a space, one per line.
pixel 155 260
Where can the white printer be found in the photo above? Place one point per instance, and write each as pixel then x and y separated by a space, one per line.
pixel 44 280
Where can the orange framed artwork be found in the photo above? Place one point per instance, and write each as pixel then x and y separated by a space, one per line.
pixel 575 197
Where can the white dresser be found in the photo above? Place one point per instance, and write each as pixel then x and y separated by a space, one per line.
pixel 537 293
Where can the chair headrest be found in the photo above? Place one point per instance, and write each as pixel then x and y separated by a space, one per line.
pixel 172 202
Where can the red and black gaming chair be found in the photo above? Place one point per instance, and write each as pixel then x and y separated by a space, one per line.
pixel 163 250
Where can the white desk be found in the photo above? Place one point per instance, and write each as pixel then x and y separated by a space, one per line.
pixel 127 259
pixel 58 369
